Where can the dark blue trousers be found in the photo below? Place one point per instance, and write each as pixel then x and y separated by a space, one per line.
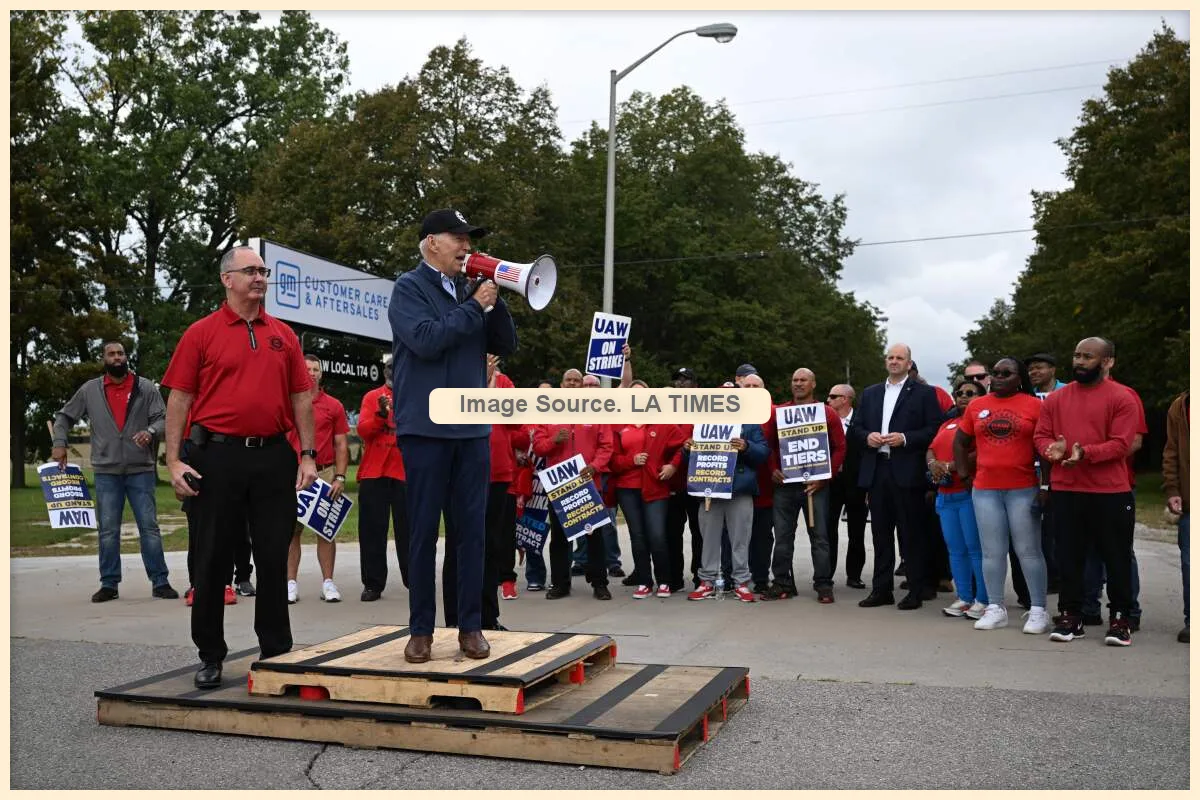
pixel 452 474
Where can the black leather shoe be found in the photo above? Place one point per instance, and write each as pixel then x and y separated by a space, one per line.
pixel 855 583
pixel 877 599
pixel 209 676
pixel 370 595
pixel 165 592
pixel 632 580
pixel 616 572
pixel 557 592
pixel 105 594
pixel 909 602
pixel 601 593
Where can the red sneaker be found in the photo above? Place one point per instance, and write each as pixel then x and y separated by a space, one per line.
pixel 230 596
pixel 743 593
pixel 703 592
pixel 508 590
pixel 642 592
pixel 187 596
pixel 663 591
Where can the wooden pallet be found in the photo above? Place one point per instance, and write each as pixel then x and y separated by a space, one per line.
pixel 632 716
pixel 523 671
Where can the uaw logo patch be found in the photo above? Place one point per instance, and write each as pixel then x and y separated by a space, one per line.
pixel 275 343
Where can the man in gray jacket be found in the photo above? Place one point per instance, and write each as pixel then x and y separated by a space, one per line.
pixel 127 415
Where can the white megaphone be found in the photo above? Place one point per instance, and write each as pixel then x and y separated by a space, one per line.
pixel 535 281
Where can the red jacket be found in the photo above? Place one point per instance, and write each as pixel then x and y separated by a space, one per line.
pixel 837 437
pixel 522 482
pixel 593 442
pixel 945 401
pixel 678 482
pixel 380 454
pixel 663 445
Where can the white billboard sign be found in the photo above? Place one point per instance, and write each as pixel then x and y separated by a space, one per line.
pixel 321 294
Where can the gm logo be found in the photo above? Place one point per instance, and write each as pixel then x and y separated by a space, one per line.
pixel 287 284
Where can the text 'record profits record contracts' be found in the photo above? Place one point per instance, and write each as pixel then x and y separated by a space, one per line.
pixel 592 406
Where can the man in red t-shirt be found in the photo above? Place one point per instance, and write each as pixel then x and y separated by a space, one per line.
pixel 333 457
pixel 239 375
pixel 1085 431
pixel 381 491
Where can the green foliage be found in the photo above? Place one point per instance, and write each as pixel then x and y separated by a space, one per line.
pixel 1094 272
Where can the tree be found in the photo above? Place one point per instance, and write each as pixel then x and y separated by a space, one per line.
pixel 1112 250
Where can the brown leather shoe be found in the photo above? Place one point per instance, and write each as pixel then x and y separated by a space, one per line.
pixel 474 645
pixel 417 649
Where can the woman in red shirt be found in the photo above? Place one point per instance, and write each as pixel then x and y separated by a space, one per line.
pixel 1004 488
pixel 644 459
pixel 955 511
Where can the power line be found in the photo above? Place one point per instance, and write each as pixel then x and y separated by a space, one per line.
pixel 748 255
pixel 933 104
pixel 911 84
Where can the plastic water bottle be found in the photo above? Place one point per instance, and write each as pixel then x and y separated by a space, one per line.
pixel 720 588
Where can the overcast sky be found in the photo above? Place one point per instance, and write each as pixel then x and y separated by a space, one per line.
pixel 962 167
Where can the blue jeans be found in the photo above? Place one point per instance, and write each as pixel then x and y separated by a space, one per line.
pixel 535 567
pixel 1005 515
pixel 111 491
pixel 647 536
pixel 962 543
pixel 1185 563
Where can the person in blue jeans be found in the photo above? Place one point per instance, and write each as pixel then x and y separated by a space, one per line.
pixel 1176 467
pixel 956 511
pixel 127 415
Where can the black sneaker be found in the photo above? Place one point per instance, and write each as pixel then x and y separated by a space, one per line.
pixel 557 592
pixel 760 587
pixel 632 580
pixel 1093 619
pixel 245 588
pixel 370 595
pixel 601 593
pixel 778 592
pixel 1135 624
pixel 1067 627
pixel 166 592
pixel 105 594
pixel 616 572
pixel 1118 632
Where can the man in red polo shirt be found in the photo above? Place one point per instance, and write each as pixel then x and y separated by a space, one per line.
pixel 381 490
pixel 330 428
pixel 240 375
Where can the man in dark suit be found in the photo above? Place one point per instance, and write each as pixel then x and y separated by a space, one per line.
pixel 844 493
pixel 441 338
pixel 895 423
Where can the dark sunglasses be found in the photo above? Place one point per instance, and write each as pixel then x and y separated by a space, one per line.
pixel 961 393
pixel 250 272
pixel 1002 373
pixel 834 396
pixel 976 377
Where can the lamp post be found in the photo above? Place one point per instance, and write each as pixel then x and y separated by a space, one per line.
pixel 723 32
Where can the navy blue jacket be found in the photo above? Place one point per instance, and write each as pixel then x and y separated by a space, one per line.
pixel 917 415
pixel 438 342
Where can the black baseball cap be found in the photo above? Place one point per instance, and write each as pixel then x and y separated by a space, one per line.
pixel 685 373
pixel 1049 359
pixel 745 369
pixel 448 220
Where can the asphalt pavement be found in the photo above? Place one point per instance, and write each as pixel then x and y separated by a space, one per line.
pixel 841 696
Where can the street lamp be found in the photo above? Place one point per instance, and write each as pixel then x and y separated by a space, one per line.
pixel 723 32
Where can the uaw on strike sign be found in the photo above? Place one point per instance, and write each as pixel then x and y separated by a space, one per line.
pixel 803 443
pixel 67 497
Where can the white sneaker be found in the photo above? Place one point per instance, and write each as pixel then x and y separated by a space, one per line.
pixel 293 592
pixel 1036 621
pixel 329 592
pixel 956 609
pixel 993 617
pixel 976 610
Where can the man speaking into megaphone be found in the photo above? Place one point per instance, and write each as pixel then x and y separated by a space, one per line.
pixel 441 338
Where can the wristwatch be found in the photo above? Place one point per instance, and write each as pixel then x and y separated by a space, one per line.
pixel 310 453
pixel 341 478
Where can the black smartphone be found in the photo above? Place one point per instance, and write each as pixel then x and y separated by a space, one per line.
pixel 192 481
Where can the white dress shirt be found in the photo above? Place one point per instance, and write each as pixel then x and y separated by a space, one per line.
pixel 447 284
pixel 846 421
pixel 891 393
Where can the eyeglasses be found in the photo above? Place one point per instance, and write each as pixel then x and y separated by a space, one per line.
pixel 1002 373
pixel 978 376
pixel 834 396
pixel 250 272
pixel 966 394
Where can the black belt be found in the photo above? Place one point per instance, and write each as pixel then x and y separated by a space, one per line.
pixel 248 441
